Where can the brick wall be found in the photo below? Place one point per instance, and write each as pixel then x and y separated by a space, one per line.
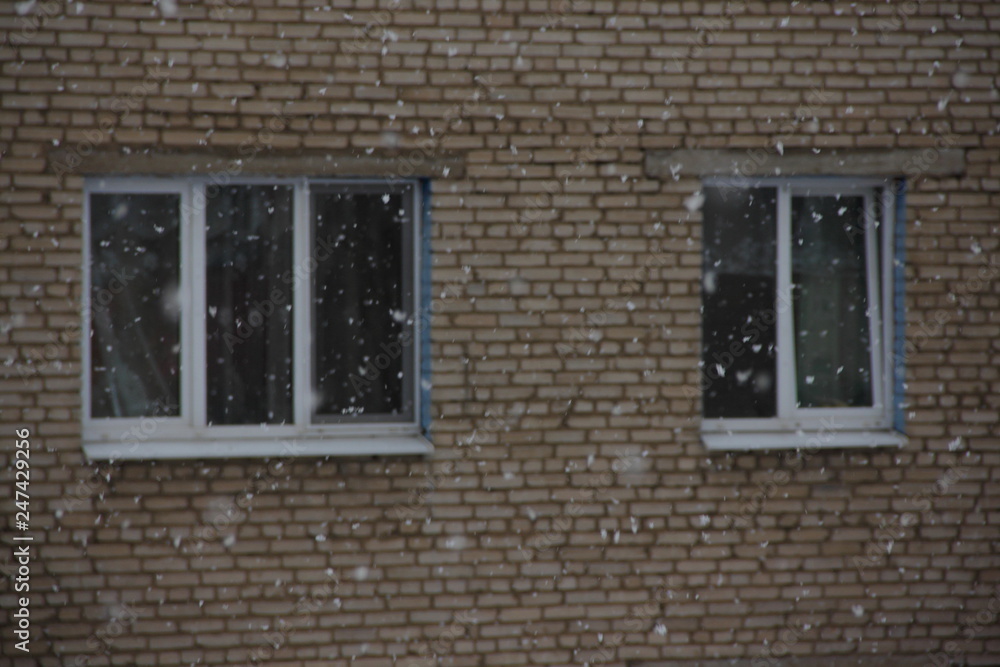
pixel 570 513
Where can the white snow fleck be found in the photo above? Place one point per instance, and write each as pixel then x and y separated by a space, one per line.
pixel 709 283
pixel 456 542
pixel 167 7
pixel 694 202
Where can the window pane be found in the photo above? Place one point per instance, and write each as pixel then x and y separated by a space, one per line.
pixel 362 324
pixel 830 302
pixel 738 296
pixel 135 320
pixel 249 302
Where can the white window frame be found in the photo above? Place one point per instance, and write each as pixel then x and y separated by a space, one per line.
pixel 795 427
pixel 188 436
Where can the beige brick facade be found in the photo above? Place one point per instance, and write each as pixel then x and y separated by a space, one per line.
pixel 570 514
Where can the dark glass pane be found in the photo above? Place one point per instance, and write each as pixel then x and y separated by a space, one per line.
pixel 362 326
pixel 249 285
pixel 830 302
pixel 135 349
pixel 738 297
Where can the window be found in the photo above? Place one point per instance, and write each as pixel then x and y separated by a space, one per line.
pixel 797 299
pixel 263 317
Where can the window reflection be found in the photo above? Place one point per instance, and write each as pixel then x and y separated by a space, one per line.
pixel 134 305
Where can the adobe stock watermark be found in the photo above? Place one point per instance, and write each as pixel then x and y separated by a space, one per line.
pixel 917 166
pixel 901 13
pixel 914 170
pixel 97 303
pixel 709 33
pixel 141 431
pixel 890 531
pixel 559 13
pixel 773 653
pixel 484 431
pixel 233 510
pixel 591 491
pixel 122 620
pixel 552 187
pixel 758 324
pixel 389 352
pixel 794 461
pixel 418 497
pixel 932 327
pixel 588 333
pixel 430 653
pixel 246 152
pixel 434 478
pixel 745 173
pixel 122 106
pixel 408 163
pixel 220 8
pixel 637 619
pixel 376 29
pixel 951 651
pixel 31 17
pixel 291 279
pixel 99 299
pixel 375 366
pixel 283 631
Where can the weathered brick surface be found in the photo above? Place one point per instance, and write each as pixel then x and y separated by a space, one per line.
pixel 571 513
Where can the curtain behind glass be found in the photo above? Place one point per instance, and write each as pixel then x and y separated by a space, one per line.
pixel 830 301
pixel 135 348
pixel 739 327
pixel 249 302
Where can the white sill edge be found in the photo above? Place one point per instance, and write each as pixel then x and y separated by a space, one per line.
pixel 152 450
pixel 761 440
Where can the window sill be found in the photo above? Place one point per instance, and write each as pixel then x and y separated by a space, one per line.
pixel 760 440
pixel 151 450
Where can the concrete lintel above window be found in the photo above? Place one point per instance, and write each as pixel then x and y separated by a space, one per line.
pixel 407 164
pixel 766 162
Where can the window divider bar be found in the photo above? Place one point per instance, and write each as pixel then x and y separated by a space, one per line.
pixel 302 287
pixel 888 311
pixel 412 268
pixel 194 350
pixel 423 297
pixel 86 323
pixel 874 284
pixel 783 307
